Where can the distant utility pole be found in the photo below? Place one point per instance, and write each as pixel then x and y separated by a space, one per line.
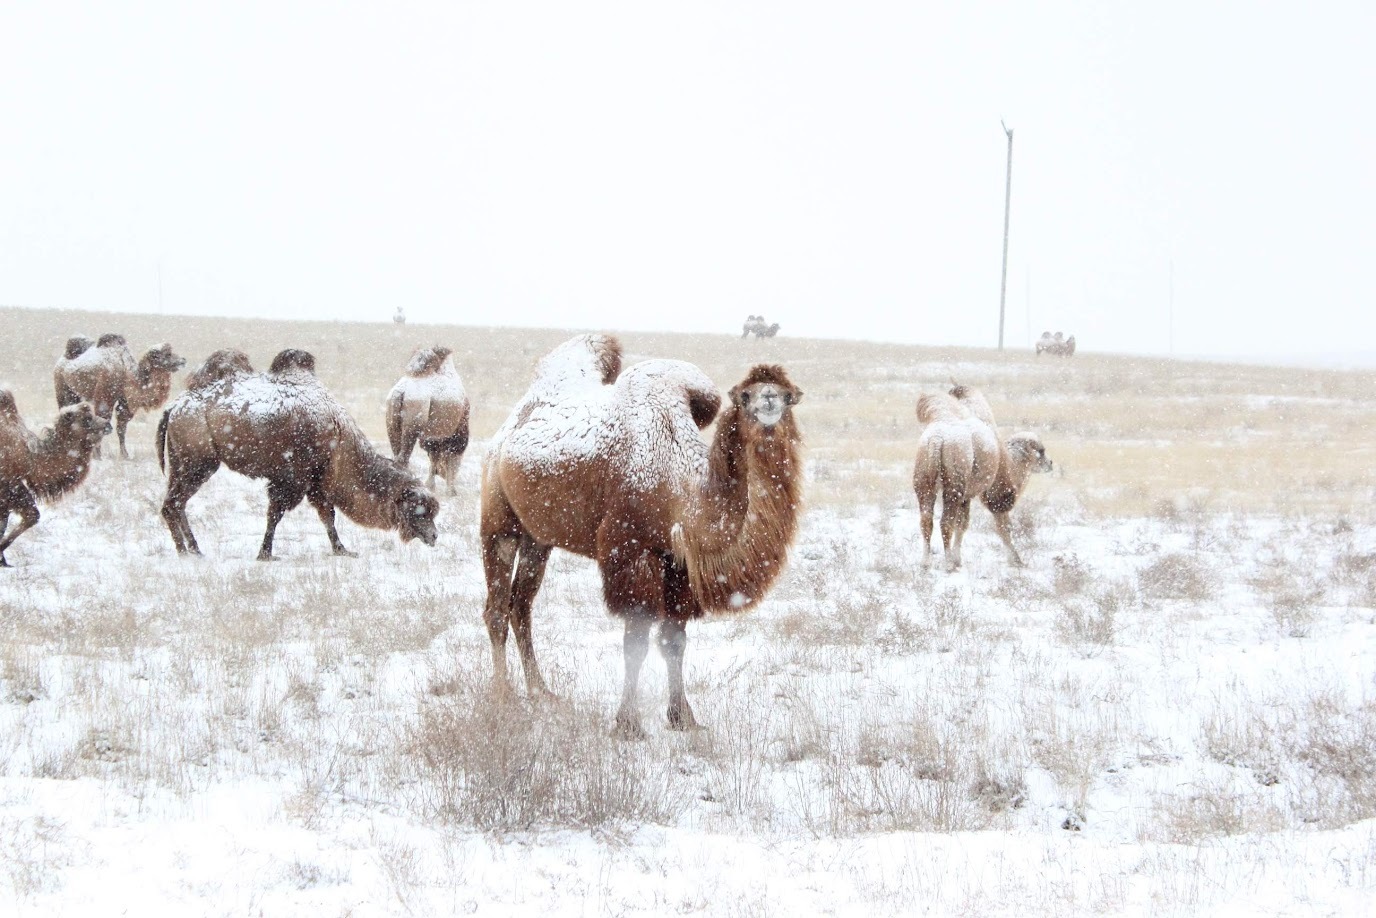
pixel 1170 312
pixel 1007 201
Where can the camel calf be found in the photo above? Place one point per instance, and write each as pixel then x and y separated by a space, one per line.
pixel 959 456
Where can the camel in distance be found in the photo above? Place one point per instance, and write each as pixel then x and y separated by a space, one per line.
pixel 960 456
pixel 428 405
pixel 42 468
pixel 611 465
pixel 283 426
pixel 105 374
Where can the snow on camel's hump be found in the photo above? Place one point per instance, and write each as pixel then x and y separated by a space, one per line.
pixel 655 426
pixel 563 420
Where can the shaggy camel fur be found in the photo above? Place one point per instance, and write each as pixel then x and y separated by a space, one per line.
pixel 429 405
pixel 287 428
pixel 107 376
pixel 219 366
pixel 611 466
pixel 42 468
pixel 960 455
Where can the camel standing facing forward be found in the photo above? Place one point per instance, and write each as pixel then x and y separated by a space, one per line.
pixel 960 456
pixel 428 405
pixel 105 374
pixel 45 468
pixel 611 466
pixel 283 426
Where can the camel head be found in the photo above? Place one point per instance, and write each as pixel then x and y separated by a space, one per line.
pixel 293 359
pixel 1027 450
pixel 766 395
pixel 79 424
pixel 162 358
pixel 416 509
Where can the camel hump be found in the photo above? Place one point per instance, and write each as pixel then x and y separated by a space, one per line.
pixel 76 346
pixel 9 411
pixel 973 399
pixel 111 339
pixel 219 365
pixel 293 359
pixel 584 359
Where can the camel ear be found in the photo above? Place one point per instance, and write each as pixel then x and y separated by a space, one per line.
pixel 736 397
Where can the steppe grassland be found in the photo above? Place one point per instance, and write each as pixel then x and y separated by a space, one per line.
pixel 1174 699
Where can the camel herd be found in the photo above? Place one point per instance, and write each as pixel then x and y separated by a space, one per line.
pixel 601 461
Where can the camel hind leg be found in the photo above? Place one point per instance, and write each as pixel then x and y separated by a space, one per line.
pixel 122 417
pixel 500 535
pixel 184 479
pixel 530 572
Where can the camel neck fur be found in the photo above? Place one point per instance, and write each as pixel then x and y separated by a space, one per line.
pixel 742 519
pixel 61 462
pixel 151 387
pixel 363 484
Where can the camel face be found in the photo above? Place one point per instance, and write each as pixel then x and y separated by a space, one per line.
pixel 82 420
pixel 416 509
pixel 766 402
pixel 1029 450
pixel 162 358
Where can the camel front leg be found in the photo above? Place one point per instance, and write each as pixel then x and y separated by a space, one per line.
pixel 122 417
pixel 281 498
pixel 1004 529
pixel 21 501
pixel 673 642
pixel 325 510
pixel 634 645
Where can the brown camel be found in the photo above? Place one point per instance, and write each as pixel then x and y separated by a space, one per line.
pixel 42 468
pixel 284 426
pixel 429 405
pixel 107 376
pixel 960 454
pixel 611 466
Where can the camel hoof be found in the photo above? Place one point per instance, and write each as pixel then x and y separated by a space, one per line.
pixel 686 725
pixel 345 553
pixel 3 562
pixel 263 557
pixel 627 729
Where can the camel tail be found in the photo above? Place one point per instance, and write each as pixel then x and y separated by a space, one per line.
pixel 162 440
pixel 395 404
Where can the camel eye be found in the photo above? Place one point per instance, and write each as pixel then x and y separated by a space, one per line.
pixel 745 399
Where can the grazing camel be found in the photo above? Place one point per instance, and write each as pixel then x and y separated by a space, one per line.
pixel 611 466
pixel 42 468
pixel 429 405
pixel 106 375
pixel 283 426
pixel 959 456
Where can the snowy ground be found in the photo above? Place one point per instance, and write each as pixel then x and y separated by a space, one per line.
pixel 1168 714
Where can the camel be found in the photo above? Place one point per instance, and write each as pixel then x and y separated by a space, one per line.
pixel 42 468
pixel 959 456
pixel 1057 345
pixel 106 375
pixel 286 427
pixel 755 325
pixel 610 465
pixel 428 405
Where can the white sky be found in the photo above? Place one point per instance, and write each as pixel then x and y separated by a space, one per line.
pixel 838 167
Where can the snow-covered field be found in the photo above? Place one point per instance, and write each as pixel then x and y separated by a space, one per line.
pixel 1172 709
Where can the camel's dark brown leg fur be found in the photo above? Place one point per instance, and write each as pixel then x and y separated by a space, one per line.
pixel 183 481
pixel 326 512
pixel 530 571
pixel 18 500
pixel 281 498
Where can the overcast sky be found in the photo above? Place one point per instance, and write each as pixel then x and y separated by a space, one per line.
pixel 837 167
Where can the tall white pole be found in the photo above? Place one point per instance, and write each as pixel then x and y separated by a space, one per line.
pixel 1007 201
pixel 1170 312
